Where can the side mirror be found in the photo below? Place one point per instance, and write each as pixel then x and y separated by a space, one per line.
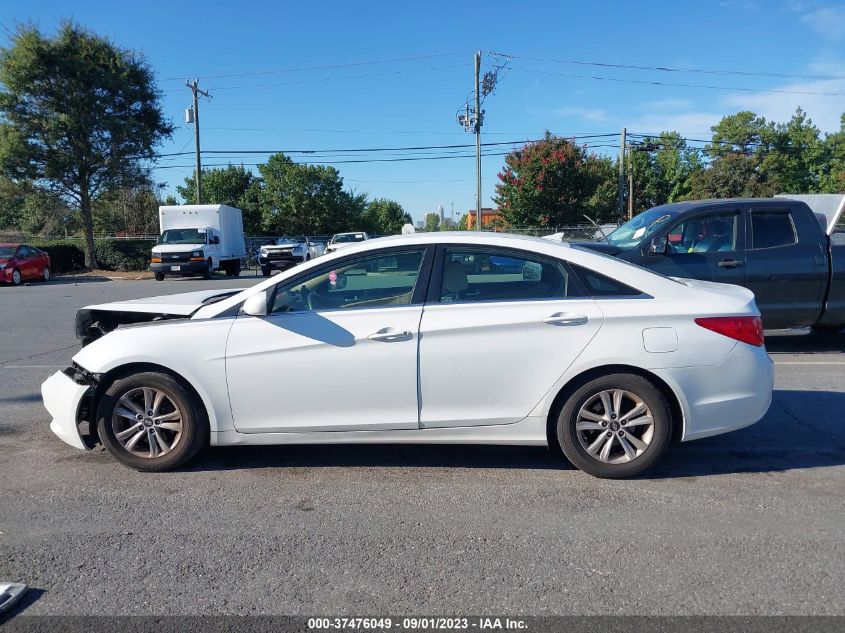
pixel 659 245
pixel 215 239
pixel 256 305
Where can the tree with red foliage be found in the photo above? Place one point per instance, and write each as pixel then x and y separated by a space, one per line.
pixel 554 182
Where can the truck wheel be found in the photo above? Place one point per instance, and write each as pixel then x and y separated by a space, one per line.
pixel 206 274
pixel 159 276
pixel 236 268
pixel 265 272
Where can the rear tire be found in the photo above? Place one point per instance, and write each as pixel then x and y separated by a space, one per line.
pixel 182 431
pixel 236 268
pixel 615 426
pixel 45 274
pixel 159 276
pixel 265 272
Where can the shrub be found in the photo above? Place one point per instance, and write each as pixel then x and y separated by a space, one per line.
pixel 65 256
pixel 124 255
pixel 121 255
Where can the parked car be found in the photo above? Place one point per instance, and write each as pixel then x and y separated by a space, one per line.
pixel 342 240
pixel 19 262
pixel 287 252
pixel 761 244
pixel 395 341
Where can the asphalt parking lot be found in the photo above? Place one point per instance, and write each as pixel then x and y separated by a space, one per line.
pixel 752 522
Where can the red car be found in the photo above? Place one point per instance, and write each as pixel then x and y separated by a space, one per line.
pixel 19 262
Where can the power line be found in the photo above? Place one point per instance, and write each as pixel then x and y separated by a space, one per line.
pixel 680 85
pixel 669 69
pixel 373 149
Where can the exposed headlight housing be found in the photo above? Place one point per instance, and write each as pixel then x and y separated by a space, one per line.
pixel 2 266
pixel 196 254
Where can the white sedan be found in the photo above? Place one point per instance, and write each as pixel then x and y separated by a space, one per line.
pixel 430 338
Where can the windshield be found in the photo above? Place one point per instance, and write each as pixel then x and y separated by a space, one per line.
pixel 640 228
pixel 7 252
pixel 290 240
pixel 348 237
pixel 182 236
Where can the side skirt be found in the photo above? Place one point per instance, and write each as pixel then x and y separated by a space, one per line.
pixel 529 432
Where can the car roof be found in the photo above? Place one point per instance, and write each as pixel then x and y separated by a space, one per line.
pixel 10 245
pixel 687 205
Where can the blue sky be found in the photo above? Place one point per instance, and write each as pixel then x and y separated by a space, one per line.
pixel 413 102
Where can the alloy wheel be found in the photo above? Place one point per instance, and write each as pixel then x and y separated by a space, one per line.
pixel 614 426
pixel 16 277
pixel 147 423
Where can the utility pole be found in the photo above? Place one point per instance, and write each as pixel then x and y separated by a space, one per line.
pixel 630 182
pixel 194 116
pixel 478 122
pixel 620 198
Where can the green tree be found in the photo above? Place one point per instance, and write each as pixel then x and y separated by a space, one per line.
pixel 79 115
pixel 233 186
pixel 386 216
pixel 832 168
pixel 129 210
pixel 662 169
pixel 432 222
pixel 554 182
pixel 732 176
pixel 301 198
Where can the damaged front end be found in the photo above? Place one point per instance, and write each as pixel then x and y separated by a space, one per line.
pixel 92 323
pixel 69 397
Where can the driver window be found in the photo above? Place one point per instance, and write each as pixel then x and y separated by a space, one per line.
pixel 379 280
pixel 705 234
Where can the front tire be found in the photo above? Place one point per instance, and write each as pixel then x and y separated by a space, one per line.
pixel 16 277
pixel 265 272
pixel 206 274
pixel 150 422
pixel 615 426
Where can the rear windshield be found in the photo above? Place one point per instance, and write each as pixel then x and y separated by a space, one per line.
pixel 348 237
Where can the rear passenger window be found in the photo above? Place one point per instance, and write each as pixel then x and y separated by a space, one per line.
pixel 599 285
pixel 772 228
pixel 499 275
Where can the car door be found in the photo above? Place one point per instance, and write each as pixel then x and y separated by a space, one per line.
pixel 708 246
pixel 25 261
pixel 337 350
pixel 788 275
pixel 500 326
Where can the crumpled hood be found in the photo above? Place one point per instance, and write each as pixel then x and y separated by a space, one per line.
pixel 184 303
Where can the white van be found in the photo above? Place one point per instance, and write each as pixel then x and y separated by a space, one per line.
pixel 198 239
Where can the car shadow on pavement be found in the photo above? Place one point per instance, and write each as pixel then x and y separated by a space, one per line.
pixel 26 600
pixel 803 429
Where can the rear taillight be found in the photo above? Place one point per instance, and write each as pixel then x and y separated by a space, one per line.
pixel 746 329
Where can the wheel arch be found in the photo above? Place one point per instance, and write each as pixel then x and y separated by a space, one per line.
pixel 116 373
pixel 574 383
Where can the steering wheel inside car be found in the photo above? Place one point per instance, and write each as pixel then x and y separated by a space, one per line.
pixel 315 301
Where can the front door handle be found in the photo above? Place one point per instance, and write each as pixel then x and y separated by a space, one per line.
pixel 565 318
pixel 730 263
pixel 390 334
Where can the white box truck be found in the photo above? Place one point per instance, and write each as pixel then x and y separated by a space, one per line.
pixel 198 239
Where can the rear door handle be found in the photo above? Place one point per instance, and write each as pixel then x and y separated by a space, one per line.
pixel 730 263
pixel 390 334
pixel 565 318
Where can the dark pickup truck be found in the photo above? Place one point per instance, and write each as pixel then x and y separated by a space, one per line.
pixel 790 255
